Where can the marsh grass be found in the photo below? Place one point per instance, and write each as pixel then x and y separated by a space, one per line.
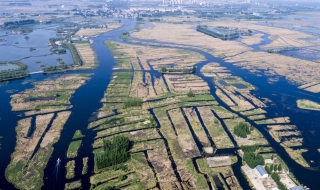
pixel 74 148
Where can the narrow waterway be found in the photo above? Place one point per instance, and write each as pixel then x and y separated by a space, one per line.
pixel 86 101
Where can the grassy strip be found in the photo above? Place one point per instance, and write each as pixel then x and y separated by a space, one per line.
pixel 26 173
pixel 75 55
pixel 85 165
pixel 111 44
pixel 201 181
pixel 73 149
pixel 70 169
pixel 142 168
pixel 107 176
pixel 73 185
pixel 77 135
pixel 308 105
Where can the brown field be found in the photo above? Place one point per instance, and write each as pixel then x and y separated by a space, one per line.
pixel 97 31
pixel 185 139
pixel 281 37
pixel 254 138
pixel 289 136
pixel 215 128
pixel 277 120
pixel 196 125
pixel 185 34
pixel 158 57
pixel 87 55
pixel 213 69
pixel 295 70
pixel 251 40
pixel 184 83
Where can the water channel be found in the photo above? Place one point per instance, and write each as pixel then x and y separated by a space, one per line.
pixel 86 101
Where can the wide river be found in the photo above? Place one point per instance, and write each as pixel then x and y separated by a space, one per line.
pixel 86 101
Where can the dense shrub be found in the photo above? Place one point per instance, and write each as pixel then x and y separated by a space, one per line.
pixel 115 152
pixel 251 157
pixel 242 130
pixel 132 102
pixel 190 93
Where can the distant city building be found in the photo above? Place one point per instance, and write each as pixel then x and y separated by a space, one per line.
pixel 172 2
pixel 262 173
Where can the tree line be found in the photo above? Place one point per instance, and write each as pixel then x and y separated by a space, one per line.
pixel 276 178
pixel 14 73
pixel 19 23
pixel 273 168
pixel 115 152
pixel 52 69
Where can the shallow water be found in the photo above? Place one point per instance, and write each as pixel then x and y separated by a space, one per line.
pixel 38 39
pixel 8 66
pixel 240 86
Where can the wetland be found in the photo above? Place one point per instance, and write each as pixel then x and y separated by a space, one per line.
pixel 124 108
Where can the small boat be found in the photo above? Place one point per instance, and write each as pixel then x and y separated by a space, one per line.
pixel 58 161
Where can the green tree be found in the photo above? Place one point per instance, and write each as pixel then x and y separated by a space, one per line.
pixel 121 177
pixel 132 102
pixel 242 130
pixel 190 93
pixel 279 168
pixel 267 168
pixel 115 152
pixel 163 70
pixel 253 159
pixel 271 167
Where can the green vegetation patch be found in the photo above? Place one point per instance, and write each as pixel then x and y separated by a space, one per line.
pixel 276 178
pixel 223 113
pixel 132 102
pixel 111 44
pixel 109 175
pixel 75 55
pixel 251 157
pixel 115 152
pixel 309 105
pixel 73 185
pixel 70 169
pixel 74 148
pixel 242 130
pixel 9 74
pixel 85 165
pixel 201 181
pixel 253 112
pixel 77 135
